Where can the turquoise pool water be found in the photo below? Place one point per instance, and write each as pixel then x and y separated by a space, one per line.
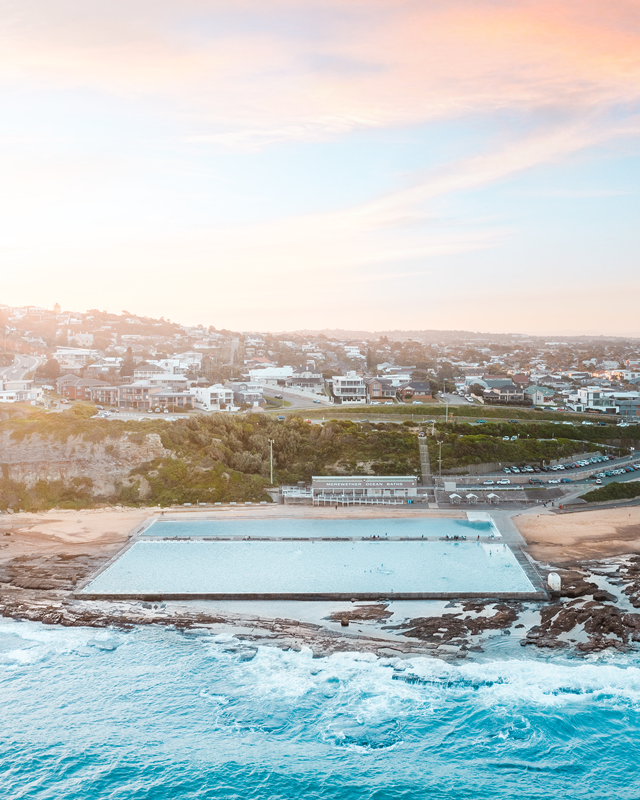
pixel 266 568
pixel 319 528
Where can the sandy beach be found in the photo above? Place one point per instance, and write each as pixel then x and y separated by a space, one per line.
pixel 44 558
pixel 582 536
pixel 93 531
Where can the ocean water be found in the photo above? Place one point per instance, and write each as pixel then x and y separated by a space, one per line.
pixel 236 568
pixel 157 715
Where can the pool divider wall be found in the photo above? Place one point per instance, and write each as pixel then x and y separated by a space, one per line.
pixel 322 596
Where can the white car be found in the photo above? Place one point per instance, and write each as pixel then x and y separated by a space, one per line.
pixel 488 483
pixel 503 482
pixel 554 480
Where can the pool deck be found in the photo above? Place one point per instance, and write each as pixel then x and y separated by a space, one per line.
pixel 507 535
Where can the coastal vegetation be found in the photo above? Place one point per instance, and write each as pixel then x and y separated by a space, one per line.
pixel 613 491
pixel 204 458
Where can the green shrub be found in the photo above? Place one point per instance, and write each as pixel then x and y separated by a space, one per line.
pixel 613 491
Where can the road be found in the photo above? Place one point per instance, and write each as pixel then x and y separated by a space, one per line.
pixel 295 401
pixel 453 400
pixel 20 367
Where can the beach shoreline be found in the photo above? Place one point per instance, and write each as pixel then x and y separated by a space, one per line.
pixel 45 557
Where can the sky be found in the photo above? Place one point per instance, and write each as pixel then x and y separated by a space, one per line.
pixel 358 164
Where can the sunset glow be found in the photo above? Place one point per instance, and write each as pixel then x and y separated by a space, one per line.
pixel 297 164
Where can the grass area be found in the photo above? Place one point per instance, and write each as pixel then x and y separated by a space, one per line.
pixel 437 411
pixel 613 491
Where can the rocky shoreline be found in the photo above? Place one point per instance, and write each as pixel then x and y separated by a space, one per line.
pixel 594 612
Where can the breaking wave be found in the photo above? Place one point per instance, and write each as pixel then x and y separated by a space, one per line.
pixel 156 714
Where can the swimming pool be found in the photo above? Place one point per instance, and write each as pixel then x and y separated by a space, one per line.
pixel 318 528
pixel 312 569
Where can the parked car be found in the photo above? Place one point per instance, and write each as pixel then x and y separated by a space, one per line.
pixel 481 421
pixel 514 438
pixel 554 480
pixel 421 435
pixel 516 470
pixel 281 417
pixel 535 480
pixel 536 469
pixel 565 480
pixel 316 401
pixel 506 470
pixel 598 481
pixel 503 482
pixel 488 483
pixel 505 438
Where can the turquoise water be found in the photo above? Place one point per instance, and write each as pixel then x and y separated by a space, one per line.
pixel 159 716
pixel 317 567
pixel 319 527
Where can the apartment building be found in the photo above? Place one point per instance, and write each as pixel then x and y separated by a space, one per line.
pixel 213 398
pixel 348 388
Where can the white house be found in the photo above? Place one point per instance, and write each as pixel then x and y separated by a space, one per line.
pixel 213 398
pixel 349 388
pixel 271 376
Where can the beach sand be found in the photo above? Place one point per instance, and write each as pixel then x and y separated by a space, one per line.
pixel 565 538
pixel 94 531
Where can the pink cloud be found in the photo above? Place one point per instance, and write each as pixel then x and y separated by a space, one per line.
pixel 249 78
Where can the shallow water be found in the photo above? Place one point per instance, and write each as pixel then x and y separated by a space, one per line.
pixel 299 527
pixel 156 714
pixel 312 567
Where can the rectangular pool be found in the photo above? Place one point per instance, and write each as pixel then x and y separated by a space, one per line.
pixel 312 569
pixel 318 528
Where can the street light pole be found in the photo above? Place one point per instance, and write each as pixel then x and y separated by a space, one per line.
pixel 271 441
pixel 439 458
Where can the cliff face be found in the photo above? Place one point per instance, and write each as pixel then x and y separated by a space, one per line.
pixel 106 463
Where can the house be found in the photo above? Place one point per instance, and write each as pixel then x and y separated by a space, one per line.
pixel 245 392
pixel 76 355
pixel 20 392
pixel 380 389
pixel 271 376
pixel 213 398
pixel 520 379
pixel 171 399
pixel 539 395
pixel 348 388
pixel 104 395
pixel 145 370
pixel 306 379
pixel 77 388
pixel 629 410
pixel 137 395
pixel 416 390
pixel 507 393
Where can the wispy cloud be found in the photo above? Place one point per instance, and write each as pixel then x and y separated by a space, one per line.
pixel 249 74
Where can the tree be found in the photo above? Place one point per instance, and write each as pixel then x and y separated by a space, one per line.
pixel 51 369
pixel 476 389
pixel 128 364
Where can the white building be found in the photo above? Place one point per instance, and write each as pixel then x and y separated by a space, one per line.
pixel 213 398
pixel 349 388
pixel 20 392
pixel 271 376
pixel 80 355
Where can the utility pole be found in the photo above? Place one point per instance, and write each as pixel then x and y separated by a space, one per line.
pixel 439 458
pixel 271 441
pixel 446 400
